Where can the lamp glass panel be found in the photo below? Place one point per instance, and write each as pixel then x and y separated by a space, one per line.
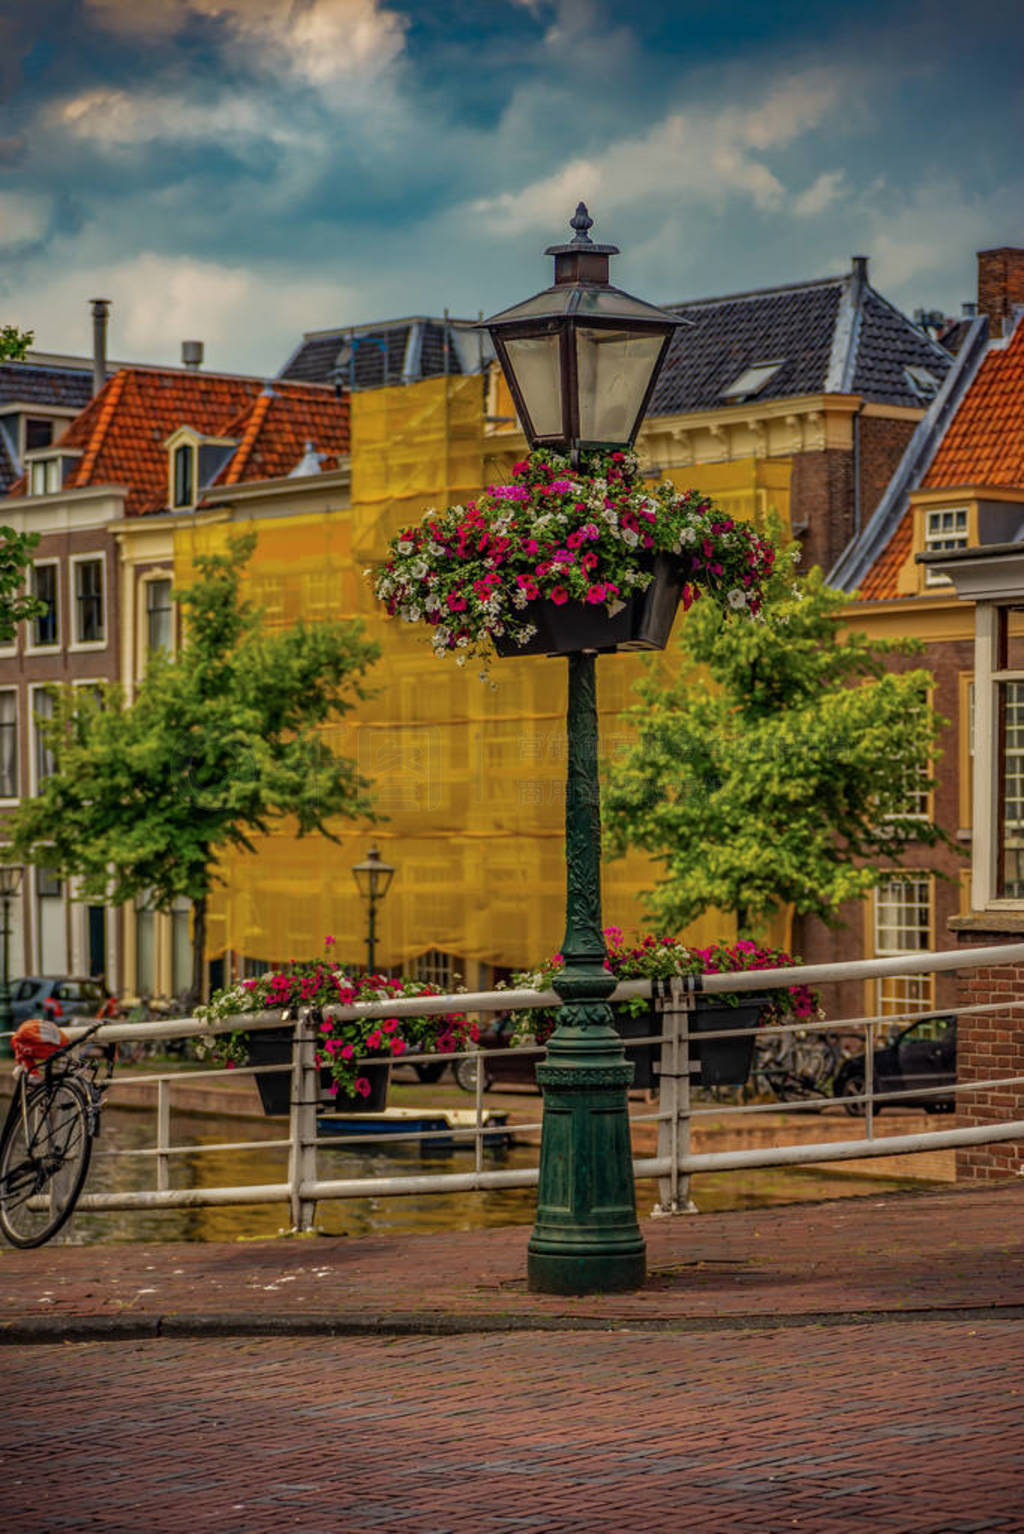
pixel 614 369
pixel 536 363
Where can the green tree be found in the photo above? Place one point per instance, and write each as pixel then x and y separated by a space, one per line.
pixel 220 740
pixel 15 604
pixel 780 766
pixel 14 343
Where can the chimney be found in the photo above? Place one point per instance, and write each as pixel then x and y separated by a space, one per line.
pixel 859 268
pixel 1000 286
pixel 192 355
pixel 100 311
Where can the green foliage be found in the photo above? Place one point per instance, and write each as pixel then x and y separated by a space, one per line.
pixel 14 343
pixel 776 769
pixel 15 553
pixel 221 740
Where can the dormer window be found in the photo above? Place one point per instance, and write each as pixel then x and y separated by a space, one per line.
pixel 752 380
pixel 922 383
pixel 45 476
pixel 184 476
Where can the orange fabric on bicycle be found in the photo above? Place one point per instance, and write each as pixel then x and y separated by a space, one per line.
pixel 36 1040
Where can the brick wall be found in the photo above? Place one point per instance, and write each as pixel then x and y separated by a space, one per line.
pixel 882 445
pixel 989 1048
pixel 821 499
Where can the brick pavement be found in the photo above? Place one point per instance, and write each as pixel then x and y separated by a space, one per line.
pixel 848 1366
pixel 896 1428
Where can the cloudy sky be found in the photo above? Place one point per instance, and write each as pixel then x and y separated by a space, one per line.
pixel 244 170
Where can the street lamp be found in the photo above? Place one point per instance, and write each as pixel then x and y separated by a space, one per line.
pixel 10 883
pixel 373 879
pixel 581 360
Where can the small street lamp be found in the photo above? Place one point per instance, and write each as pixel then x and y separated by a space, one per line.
pixel 581 360
pixel 10 883
pixel 373 879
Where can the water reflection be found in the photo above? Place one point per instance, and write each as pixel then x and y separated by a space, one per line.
pixel 382 1215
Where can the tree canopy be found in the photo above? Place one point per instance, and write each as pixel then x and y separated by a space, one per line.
pixel 221 739
pixel 14 343
pixel 784 765
pixel 15 603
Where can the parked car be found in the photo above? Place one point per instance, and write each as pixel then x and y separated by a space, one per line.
pixel 922 1055
pixel 56 996
pixel 515 1067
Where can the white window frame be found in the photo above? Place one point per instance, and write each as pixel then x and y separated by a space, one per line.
pixel 35 744
pixel 31 648
pixel 46 474
pixel 151 578
pixel 98 557
pixel 896 994
pixel 988 679
pixel 193 447
pixel 937 541
pixel 8 799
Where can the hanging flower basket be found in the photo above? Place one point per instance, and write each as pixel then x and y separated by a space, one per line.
pixel 723 1062
pixel 643 622
pixel 354 1054
pixel 565 559
pixel 273 1046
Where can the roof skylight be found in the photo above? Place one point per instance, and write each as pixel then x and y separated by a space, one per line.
pixel 752 380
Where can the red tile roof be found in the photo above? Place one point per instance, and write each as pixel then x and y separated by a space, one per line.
pixel 984 443
pixel 880 581
pixel 123 431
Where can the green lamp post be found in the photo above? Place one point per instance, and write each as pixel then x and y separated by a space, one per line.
pixel 581 360
pixel 10 882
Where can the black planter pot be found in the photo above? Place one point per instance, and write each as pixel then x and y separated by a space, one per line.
pixel 273 1046
pixel 644 622
pixel 723 1062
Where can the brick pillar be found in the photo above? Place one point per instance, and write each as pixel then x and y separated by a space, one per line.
pixel 989 1048
pixel 1000 284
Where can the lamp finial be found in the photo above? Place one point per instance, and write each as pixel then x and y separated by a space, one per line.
pixel 581 221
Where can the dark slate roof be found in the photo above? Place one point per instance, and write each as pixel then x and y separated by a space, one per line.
pixel 70 388
pixel 835 335
pixel 887 344
pixel 369 356
pixel 35 383
pixel 726 335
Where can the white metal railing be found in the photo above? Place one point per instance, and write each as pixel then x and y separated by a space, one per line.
pixel 673 1163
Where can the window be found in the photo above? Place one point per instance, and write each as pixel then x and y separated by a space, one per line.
pixel 53 941
pixel 8 744
pixel 159 615
pixel 45 476
pixel 943 530
pixel 37 434
pixel 903 925
pixel 184 458
pixel 89 622
pixel 42 709
pixel 752 380
pixel 922 383
pixel 436 967
pixel 1010 881
pixel 45 628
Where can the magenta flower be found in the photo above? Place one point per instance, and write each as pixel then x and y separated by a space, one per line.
pixel 362 1086
pixel 559 596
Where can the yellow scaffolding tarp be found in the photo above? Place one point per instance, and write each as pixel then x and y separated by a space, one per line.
pixel 470 778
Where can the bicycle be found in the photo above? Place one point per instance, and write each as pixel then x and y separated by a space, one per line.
pixel 46 1141
pixel 798 1066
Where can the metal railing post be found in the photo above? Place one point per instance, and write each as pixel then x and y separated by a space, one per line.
pixel 869 1081
pixel 163 1134
pixel 305 1101
pixel 674 1001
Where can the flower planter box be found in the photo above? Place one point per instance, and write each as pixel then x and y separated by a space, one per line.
pixel 643 623
pixel 723 1062
pixel 273 1046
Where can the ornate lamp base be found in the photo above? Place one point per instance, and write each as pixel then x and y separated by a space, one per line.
pixel 586 1239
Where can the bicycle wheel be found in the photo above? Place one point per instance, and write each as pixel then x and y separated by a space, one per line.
pixel 42 1171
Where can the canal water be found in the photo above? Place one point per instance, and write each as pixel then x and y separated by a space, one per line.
pixel 369 1215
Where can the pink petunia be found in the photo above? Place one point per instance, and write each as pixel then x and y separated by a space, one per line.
pixel 362 1086
pixel 559 596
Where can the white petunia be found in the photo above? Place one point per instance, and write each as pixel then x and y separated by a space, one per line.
pixel 737 598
